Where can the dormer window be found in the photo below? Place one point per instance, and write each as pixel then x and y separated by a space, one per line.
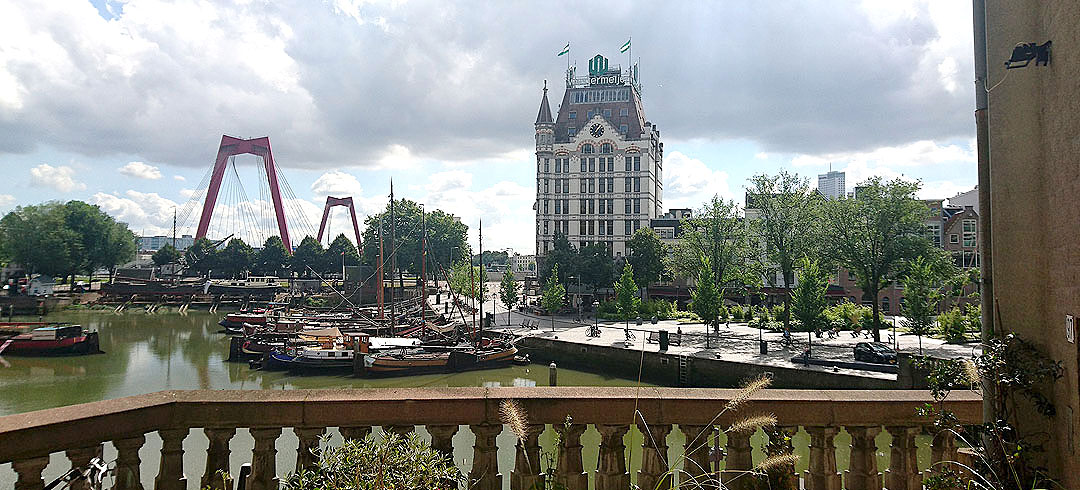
pixel 605 148
pixel 587 148
pixel 573 114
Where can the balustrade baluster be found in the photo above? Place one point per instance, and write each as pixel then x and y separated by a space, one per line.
pixel 903 473
pixel 526 472
pixel 654 468
pixel 822 474
pixel 309 443
pixel 696 466
pixel 217 458
pixel 264 458
pixel 171 470
pixel 127 463
pixel 611 463
pixel 943 447
pixel 571 471
pixel 739 460
pixel 28 473
pixel 485 468
pixel 358 433
pixel 80 458
pixel 862 471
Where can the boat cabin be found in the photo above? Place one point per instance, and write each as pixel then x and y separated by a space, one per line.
pixel 56 332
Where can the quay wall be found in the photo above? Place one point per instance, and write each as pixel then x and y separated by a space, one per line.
pixel 662 368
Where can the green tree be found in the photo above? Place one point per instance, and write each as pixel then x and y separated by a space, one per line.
pixel 307 257
pixel 808 300
pixel 121 248
pixel 165 255
pixel 705 299
pixel 467 280
pixel 876 233
pixel 509 293
pixel 201 256
pixel 236 258
pixel 717 232
pixel 444 233
pixel 340 249
pixel 273 258
pixel 561 254
pixel 37 238
pixel 922 293
pixel 646 255
pixel 596 266
pixel 626 294
pixel 785 215
pixel 554 294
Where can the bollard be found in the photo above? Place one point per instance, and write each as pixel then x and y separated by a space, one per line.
pixel 553 374
pixel 764 347
pixel 663 339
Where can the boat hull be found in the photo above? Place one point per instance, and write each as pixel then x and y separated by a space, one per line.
pixel 70 346
pixel 440 362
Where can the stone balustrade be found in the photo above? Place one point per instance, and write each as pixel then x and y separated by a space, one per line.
pixel 78 432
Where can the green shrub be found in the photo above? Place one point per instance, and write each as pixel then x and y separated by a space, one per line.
pixel 663 309
pixel 952 325
pixel 608 308
pixel 847 315
pixel 736 312
pixel 777 313
pixel 369 464
pixel 685 315
pixel 724 314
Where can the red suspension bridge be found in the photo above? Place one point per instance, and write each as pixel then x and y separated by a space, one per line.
pixel 227 209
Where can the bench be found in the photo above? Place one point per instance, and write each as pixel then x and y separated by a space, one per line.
pixel 654 338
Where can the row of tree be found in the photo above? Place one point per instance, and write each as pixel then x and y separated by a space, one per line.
pixel 65 239
pixel 787 229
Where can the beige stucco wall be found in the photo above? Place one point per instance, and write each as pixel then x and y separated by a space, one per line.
pixel 1035 196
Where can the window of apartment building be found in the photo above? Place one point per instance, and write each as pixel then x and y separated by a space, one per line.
pixel 624 112
pixel 588 114
pixel 581 227
pixel 623 128
pixel 626 227
pixel 637 184
pixel 582 164
pixel 611 184
pixel 558 165
pixel 573 114
pixel 591 229
pixel 592 164
pixel 607 112
pixel 582 181
pixel 602 207
pixel 611 164
pixel 592 206
pixel 546 189
pixel 610 231
pixel 605 148
pixel 627 184
pixel 545 227
pixel 566 186
pixel 610 206
pixel 558 206
pixel 570 132
pixel 538 185
pixel 629 163
pixel 637 163
pixel 566 165
pixel 592 186
pixel 933 232
pixel 954 238
pixel 546 201
pixel 637 226
pixel 626 207
pixel 603 227
pixel 637 205
pixel 969 233
pixel 582 206
pixel 546 169
pixel 588 148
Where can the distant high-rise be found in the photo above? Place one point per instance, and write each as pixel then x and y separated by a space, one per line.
pixel 831 185
pixel 599 170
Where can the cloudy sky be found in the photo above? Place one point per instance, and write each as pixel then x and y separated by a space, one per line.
pixel 123 104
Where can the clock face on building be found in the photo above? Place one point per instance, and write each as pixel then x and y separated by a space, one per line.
pixel 597 130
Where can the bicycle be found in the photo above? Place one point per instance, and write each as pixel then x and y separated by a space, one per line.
pixel 94 473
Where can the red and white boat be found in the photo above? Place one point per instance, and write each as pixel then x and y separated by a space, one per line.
pixel 46 340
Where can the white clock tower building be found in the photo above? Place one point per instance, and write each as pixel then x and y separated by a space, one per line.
pixel 599 164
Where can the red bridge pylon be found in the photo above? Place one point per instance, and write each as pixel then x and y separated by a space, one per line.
pixel 342 201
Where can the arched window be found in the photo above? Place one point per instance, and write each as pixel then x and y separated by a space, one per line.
pixel 605 148
pixel 587 148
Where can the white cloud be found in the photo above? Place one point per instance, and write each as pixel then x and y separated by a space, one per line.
pixel 144 212
pixel 179 178
pixel 916 154
pixel 338 184
pixel 689 182
pixel 61 178
pixel 6 200
pixel 140 170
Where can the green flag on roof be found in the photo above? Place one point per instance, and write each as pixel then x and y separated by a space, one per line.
pixel 625 46
pixel 565 50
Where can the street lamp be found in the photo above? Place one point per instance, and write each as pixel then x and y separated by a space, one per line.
pixel 596 317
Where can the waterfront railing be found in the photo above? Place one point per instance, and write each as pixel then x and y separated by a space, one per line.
pixel 79 432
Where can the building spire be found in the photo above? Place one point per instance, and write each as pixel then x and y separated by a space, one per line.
pixel 544 116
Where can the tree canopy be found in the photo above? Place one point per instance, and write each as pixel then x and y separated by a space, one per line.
pixel 705 299
pixel 444 233
pixel 626 293
pixel 65 238
pixel 808 300
pixel 509 292
pixel 645 255
pixel 715 232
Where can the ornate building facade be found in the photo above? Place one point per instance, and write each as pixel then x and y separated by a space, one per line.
pixel 599 163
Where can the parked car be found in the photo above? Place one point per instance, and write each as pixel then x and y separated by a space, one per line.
pixel 875 352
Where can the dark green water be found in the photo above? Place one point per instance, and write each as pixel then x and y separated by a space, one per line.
pixel 163 351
